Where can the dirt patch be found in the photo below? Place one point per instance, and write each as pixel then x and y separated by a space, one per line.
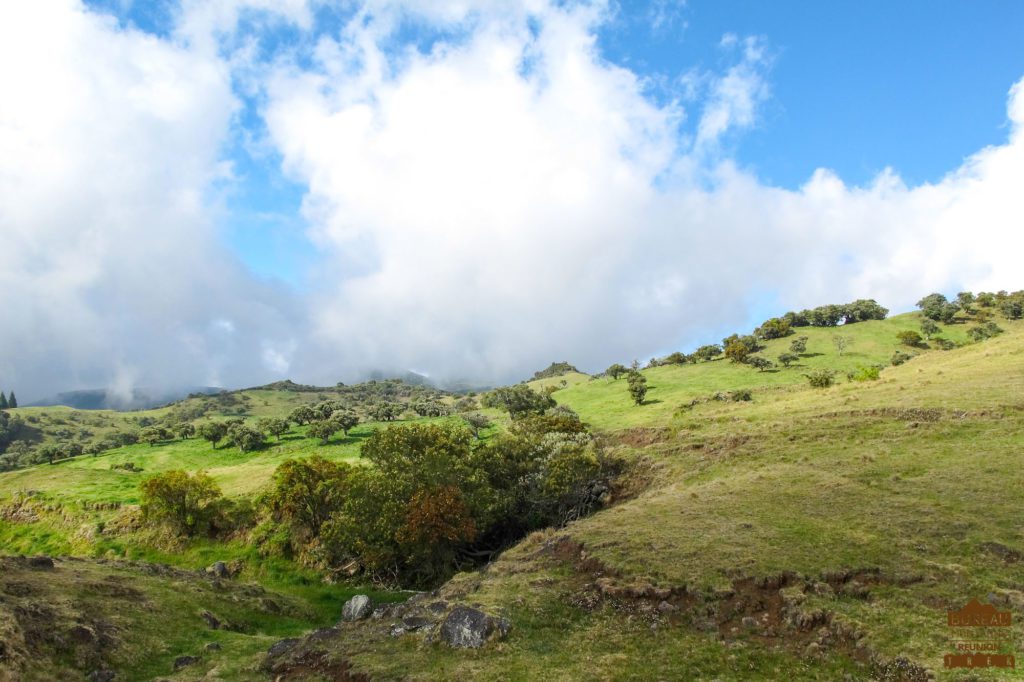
pixel 316 664
pixel 639 437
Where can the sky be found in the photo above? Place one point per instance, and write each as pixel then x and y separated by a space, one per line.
pixel 231 192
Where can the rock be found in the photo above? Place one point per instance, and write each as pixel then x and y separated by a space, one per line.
pixel 212 646
pixel 40 562
pixel 749 622
pixel 82 634
pixel 282 646
pixel 184 661
pixel 397 631
pixel 666 607
pixel 322 634
pixel 357 608
pixel 467 627
pixel 211 620
pixel 416 622
pixel 438 607
pixel 218 569
pixel 101 676
pixel 812 650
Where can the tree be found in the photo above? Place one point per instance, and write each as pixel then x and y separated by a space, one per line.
pixel 637 387
pixel 965 299
pixel 50 452
pixel 386 412
pixel 246 438
pixel 323 430
pixel 185 430
pixel 787 359
pixel 213 432
pixel 301 415
pixel 841 343
pixel 346 419
pixel 12 402
pixel 476 421
pixel 759 362
pixel 798 345
pixel 273 426
pixel 708 352
pixel 182 501
pixel 615 371
pixel 821 378
pixel 775 328
pixel 307 491
pixel 519 400
pixel 929 328
pixel 936 307
pixel 153 435
pixel 3 401
pixel 909 338
pixel 862 310
pixel 736 351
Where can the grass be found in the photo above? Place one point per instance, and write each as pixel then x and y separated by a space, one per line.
pixel 913 478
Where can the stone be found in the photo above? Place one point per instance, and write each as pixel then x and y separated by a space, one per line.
pixel 357 608
pixel 101 676
pixel 184 661
pixel 749 622
pixel 218 569
pixel 282 646
pixel 211 620
pixel 666 607
pixel 416 622
pixel 212 646
pixel 41 562
pixel 469 628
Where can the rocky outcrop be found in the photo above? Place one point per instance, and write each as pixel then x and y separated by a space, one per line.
pixel 357 608
pixel 469 628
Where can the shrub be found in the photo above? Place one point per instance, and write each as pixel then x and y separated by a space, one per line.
pixel 787 359
pixel 476 421
pixel 899 357
pixel 865 373
pixel 909 338
pixel 306 492
pixel 821 378
pixel 798 345
pixel 182 501
pixel 637 387
pixel 942 344
pixel 740 395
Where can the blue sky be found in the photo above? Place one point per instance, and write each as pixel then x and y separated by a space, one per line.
pixel 222 192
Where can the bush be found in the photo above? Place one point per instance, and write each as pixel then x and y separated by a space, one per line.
pixel 909 338
pixel 740 395
pixel 942 344
pixel 899 357
pixel 798 346
pixel 821 378
pixel 518 401
pixel 183 502
pixel 865 373
pixel 306 492
pixel 788 359
pixel 637 387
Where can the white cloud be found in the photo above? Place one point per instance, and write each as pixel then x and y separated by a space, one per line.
pixel 110 270
pixel 487 218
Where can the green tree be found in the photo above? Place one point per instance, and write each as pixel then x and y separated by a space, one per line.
pixel 775 328
pixel 185 430
pixel 929 328
pixel 346 420
pixel 182 501
pixel 323 430
pixel 759 362
pixel 519 400
pixel 909 338
pixel 386 411
pixel 3 401
pixel 273 426
pixel 153 435
pixel 708 352
pixel 306 492
pixel 246 438
pixel 12 402
pixel 302 415
pixel 637 387
pixel 213 432
pixel 476 421
pixel 841 343
pixel 615 371
pixel 51 452
pixel 798 345
pixel 788 359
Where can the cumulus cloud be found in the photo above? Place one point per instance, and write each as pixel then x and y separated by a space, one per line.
pixel 508 197
pixel 110 271
pixel 488 197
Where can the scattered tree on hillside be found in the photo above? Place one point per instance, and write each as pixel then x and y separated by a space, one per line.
pixel 798 345
pixel 323 430
pixel 676 358
pixel 476 421
pixel 183 501
pixel 899 357
pixel 185 430
pixel 1013 308
pixel 50 452
pixel 213 432
pixel 386 412
pixel 615 371
pixel 707 352
pixel 346 420
pixel 302 415
pixel 153 435
pixel 910 338
pixel 273 426
pixel 821 378
pixel 637 387
pixel 788 359
pixel 12 402
pixel 965 300
pixel 759 362
pixel 306 492
pixel 936 307
pixel 775 328
pixel 929 328
pixel 519 400
pixel 841 343
pixel 3 401
pixel 245 438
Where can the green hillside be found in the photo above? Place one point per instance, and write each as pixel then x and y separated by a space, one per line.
pixel 804 533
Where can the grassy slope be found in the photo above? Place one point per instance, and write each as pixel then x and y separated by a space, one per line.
pixel 911 476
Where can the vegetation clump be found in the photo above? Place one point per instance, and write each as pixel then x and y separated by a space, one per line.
pixel 821 378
